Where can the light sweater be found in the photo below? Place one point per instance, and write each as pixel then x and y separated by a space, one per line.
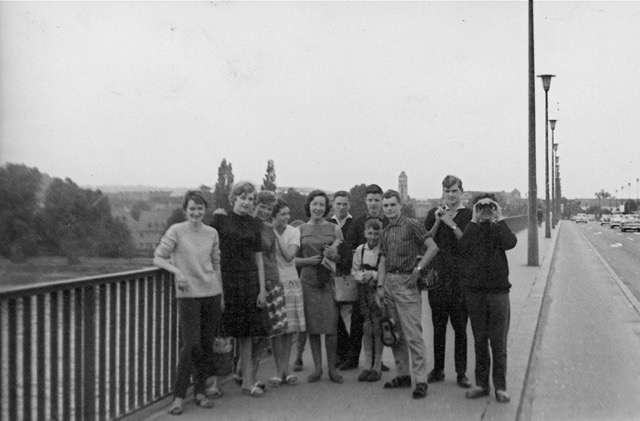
pixel 196 252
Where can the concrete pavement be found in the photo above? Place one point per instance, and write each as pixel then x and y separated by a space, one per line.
pixel 369 401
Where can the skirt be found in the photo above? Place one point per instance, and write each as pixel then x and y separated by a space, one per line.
pixel 320 309
pixel 294 305
pixel 242 317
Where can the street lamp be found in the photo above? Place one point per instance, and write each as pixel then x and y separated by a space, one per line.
pixel 546 84
pixel 556 181
pixel 554 147
pixel 622 197
pixel 532 230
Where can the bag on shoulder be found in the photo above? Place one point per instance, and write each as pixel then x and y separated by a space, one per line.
pixel 345 289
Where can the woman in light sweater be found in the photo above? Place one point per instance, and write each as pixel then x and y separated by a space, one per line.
pixel 190 250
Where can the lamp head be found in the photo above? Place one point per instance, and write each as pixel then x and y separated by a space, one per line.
pixel 552 123
pixel 546 81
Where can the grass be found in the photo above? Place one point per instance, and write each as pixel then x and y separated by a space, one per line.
pixel 45 269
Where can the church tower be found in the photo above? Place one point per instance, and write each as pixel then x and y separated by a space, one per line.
pixel 403 188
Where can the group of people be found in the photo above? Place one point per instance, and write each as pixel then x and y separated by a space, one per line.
pixel 255 277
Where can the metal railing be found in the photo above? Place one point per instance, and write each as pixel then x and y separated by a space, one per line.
pixel 94 348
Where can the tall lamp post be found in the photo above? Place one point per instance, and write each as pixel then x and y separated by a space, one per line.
pixel 622 198
pixel 556 181
pixel 554 147
pixel 532 229
pixel 637 183
pixel 546 84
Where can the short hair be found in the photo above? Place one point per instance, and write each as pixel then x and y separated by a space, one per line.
pixel 373 223
pixel 341 193
pixel 313 195
pixel 280 204
pixel 240 188
pixel 197 196
pixel 266 197
pixel 481 196
pixel 450 181
pixel 392 193
pixel 373 189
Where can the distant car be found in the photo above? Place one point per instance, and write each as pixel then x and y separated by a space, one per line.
pixel 630 223
pixel 604 219
pixel 582 218
pixel 615 221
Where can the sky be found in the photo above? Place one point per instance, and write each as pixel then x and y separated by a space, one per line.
pixel 335 93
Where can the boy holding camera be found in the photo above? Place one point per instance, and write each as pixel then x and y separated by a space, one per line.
pixel 486 285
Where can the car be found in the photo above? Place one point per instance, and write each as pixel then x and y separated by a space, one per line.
pixel 604 219
pixel 630 223
pixel 615 221
pixel 582 218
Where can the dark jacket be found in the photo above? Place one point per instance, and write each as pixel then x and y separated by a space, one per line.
pixel 483 248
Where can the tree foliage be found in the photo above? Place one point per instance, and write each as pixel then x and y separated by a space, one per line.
pixel 223 185
pixel 269 179
pixel 138 207
pixel 630 206
pixel 358 205
pixel 296 203
pixel 19 187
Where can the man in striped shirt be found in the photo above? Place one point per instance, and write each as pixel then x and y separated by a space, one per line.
pixel 402 240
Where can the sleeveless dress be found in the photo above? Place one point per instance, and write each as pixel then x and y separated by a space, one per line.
pixel 320 309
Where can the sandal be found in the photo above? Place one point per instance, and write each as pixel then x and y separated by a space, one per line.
pixel 335 377
pixel 255 392
pixel 398 382
pixel 373 376
pixel 203 401
pixel 260 385
pixel 275 382
pixel 175 410
pixel 364 375
pixel 238 379
pixel 214 392
pixel 291 380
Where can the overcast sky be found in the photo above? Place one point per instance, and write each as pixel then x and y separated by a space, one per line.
pixel 335 93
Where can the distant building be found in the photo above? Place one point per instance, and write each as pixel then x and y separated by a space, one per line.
pixel 403 187
pixel 148 230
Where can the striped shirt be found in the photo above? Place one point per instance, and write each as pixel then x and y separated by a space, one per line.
pixel 402 241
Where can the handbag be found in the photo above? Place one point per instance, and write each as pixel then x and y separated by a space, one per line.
pixel 388 331
pixel 221 356
pixel 345 289
pixel 429 279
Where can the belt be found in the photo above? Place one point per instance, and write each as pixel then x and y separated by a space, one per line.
pixel 398 272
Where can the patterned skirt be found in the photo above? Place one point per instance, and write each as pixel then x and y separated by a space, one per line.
pixel 294 304
pixel 276 308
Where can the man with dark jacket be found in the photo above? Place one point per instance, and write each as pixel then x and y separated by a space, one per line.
pixel 486 285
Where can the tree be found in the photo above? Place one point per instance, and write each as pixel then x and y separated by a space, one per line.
pixel 269 180
pixel 296 203
pixel 409 210
pixel 601 195
pixel 19 188
pixel 630 206
pixel 138 207
pixel 358 205
pixel 223 185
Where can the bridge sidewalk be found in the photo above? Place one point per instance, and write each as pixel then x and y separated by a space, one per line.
pixel 368 401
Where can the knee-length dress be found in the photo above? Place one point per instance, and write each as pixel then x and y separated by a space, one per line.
pixel 240 240
pixel 320 309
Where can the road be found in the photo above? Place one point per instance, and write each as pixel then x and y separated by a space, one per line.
pixel 586 363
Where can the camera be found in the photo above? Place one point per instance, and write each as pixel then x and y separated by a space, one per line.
pixel 439 213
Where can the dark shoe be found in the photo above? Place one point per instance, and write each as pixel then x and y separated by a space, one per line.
pixel 297 365
pixel 502 396
pixel 384 367
pixel 364 376
pixel 398 382
pixel 420 391
pixel 476 392
pixel 374 376
pixel 435 376
pixel 348 365
pixel 314 377
pixel 463 381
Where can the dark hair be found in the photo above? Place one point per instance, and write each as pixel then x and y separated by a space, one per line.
pixel 280 204
pixel 238 189
pixel 373 189
pixel 313 195
pixel 197 196
pixel 341 193
pixel 450 181
pixel 481 196
pixel 266 197
pixel 392 193
pixel 373 223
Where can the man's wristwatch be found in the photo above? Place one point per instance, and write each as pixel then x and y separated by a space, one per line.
pixel 453 228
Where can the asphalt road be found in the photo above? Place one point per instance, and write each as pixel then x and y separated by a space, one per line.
pixel 586 363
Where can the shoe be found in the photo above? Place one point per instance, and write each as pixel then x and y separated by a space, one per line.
pixel 314 377
pixel 297 365
pixel 435 376
pixel 502 396
pixel 348 365
pixel 176 409
pixel 384 368
pixel 476 392
pixel 420 391
pixel 374 376
pixel 364 376
pixel 335 377
pixel 291 380
pixel 463 381
pixel 214 392
pixel 261 385
pixel 255 392
pixel 275 382
pixel 398 382
pixel 203 401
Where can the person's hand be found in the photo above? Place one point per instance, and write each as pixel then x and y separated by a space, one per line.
pixel 261 302
pixel 314 260
pixel 412 281
pixel 367 276
pixel 447 219
pixel 330 253
pixel 498 212
pixel 379 296
pixel 475 215
pixel 439 213
pixel 181 282
pixel 220 211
